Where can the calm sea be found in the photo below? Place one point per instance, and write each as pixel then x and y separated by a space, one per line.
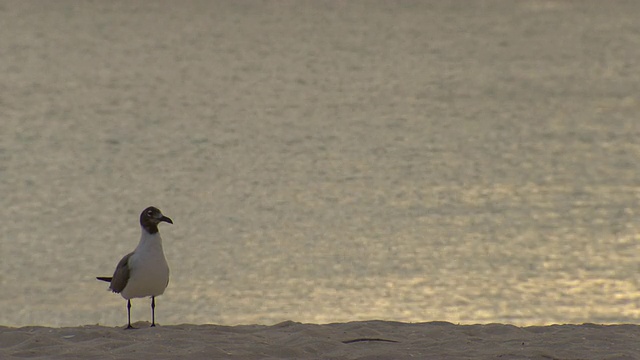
pixel 322 162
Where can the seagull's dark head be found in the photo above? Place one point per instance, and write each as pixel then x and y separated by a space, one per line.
pixel 151 217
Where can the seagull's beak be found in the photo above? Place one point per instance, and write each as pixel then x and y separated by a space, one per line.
pixel 166 219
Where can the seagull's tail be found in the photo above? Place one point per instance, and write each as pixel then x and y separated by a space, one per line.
pixel 104 278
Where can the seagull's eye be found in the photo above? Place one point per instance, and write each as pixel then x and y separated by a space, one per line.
pixel 150 213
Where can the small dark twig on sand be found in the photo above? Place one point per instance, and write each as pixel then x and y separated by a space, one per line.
pixel 368 339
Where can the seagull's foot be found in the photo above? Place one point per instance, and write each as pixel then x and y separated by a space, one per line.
pixel 153 325
pixel 129 327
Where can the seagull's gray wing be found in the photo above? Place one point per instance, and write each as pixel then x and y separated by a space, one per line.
pixel 121 275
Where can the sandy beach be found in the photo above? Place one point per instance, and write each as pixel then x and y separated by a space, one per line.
pixel 328 163
pixel 353 340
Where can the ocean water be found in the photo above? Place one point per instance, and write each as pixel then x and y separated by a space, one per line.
pixel 323 161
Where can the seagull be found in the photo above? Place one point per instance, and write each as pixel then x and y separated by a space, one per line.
pixel 143 272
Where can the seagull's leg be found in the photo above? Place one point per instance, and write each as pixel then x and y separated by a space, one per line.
pixel 153 311
pixel 129 314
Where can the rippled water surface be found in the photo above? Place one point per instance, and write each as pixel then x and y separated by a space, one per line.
pixel 323 161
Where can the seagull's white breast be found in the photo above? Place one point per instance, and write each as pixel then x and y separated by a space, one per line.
pixel 148 268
